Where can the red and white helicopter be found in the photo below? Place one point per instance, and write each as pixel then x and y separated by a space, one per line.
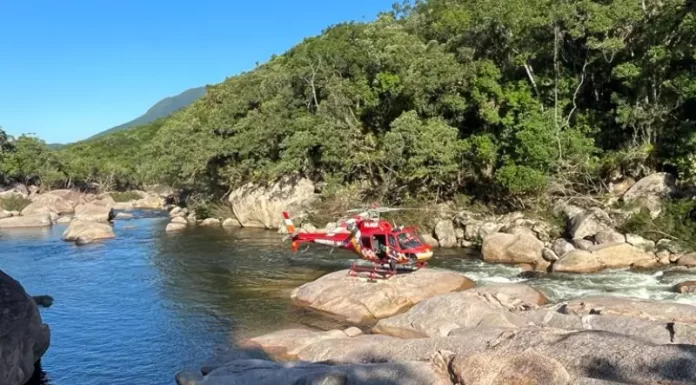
pixel 376 240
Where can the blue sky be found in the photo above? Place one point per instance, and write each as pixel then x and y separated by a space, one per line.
pixel 70 69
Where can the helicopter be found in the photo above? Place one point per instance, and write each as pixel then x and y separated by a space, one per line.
pixel 387 246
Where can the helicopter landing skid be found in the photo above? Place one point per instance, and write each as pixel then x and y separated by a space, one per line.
pixel 381 271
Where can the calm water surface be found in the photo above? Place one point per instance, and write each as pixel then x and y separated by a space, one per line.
pixel 141 307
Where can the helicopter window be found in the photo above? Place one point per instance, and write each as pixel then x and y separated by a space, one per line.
pixel 392 242
pixel 408 241
pixel 366 242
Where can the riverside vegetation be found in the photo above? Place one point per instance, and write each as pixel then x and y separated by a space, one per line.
pixel 558 136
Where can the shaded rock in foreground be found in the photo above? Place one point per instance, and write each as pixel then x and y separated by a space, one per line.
pixel 357 300
pixel 502 369
pixel 262 372
pixel 24 338
pixel 38 220
pixel 653 310
pixel 584 354
pixel 88 231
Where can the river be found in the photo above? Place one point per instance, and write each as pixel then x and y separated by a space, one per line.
pixel 139 308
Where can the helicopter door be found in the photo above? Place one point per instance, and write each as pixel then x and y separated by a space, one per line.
pixel 392 243
pixel 366 242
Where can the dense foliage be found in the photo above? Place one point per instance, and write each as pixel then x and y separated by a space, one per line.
pixel 502 99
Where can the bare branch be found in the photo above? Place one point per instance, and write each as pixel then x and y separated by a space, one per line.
pixel 577 90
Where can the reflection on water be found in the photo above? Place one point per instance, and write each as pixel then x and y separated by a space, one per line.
pixel 141 307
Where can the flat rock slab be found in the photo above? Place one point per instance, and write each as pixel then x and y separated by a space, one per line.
pixel 357 300
pixel 286 344
pixel 583 354
pixel 36 220
pixel 88 231
pixel 652 310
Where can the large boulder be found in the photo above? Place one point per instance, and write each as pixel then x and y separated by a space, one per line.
pixel 446 236
pixel 35 220
pixel 438 316
pixel 74 198
pixel 514 249
pixel 24 338
pixel 649 192
pixel 47 204
pixel 589 223
pixel 357 300
pixel 83 231
pixel 260 206
pixel 94 212
pixel 149 202
pixel 606 256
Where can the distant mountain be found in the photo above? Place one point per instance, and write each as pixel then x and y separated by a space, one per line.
pixel 163 108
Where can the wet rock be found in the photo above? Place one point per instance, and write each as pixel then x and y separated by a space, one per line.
pixel 664 258
pixel 94 213
pixel 444 232
pixel 663 311
pixel 88 231
pixel 438 316
pixel 513 249
pixel 180 220
pixel 35 220
pixel 561 247
pixel 640 242
pixel 286 344
pixel 43 300
pixel 688 287
pixel 466 244
pixel 578 261
pixel 24 338
pixel 211 222
pixel 124 216
pixel 256 206
pixel 502 369
pixel 263 372
pixel 646 264
pixel 357 300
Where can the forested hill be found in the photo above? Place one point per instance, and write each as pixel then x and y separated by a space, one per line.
pixel 161 109
pixel 502 99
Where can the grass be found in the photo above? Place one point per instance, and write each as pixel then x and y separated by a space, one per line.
pixel 14 203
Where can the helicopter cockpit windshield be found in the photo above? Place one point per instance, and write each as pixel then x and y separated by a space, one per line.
pixel 409 241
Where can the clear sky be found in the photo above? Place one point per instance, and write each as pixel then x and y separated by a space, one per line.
pixel 70 69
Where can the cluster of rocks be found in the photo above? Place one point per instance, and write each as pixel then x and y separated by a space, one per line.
pixel 437 327
pixel 589 241
pixel 181 219
pixel 24 338
pixel 88 216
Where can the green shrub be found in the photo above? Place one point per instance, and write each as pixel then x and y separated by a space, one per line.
pixel 126 196
pixel 677 222
pixel 14 203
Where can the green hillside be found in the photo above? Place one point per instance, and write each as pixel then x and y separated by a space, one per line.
pixel 504 100
pixel 161 109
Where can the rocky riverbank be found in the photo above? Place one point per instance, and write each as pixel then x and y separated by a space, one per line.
pixel 89 215
pixel 24 338
pixel 464 334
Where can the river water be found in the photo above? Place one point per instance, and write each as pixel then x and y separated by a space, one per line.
pixel 139 308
